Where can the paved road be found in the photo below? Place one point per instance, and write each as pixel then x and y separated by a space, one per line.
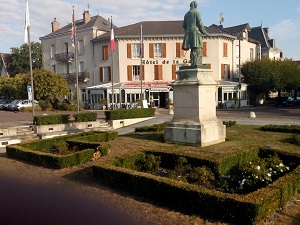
pixel 264 115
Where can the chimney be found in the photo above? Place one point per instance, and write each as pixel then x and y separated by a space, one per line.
pixel 55 25
pixel 86 16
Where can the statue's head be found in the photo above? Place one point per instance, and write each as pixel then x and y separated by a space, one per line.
pixel 193 5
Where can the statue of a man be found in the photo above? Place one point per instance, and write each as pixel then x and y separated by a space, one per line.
pixel 194 30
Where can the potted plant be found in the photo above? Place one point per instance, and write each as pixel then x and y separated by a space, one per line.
pixel 103 101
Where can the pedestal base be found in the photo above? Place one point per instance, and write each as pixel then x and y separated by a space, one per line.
pixel 195 121
pixel 205 134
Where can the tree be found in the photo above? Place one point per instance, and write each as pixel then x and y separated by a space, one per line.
pixel 7 87
pixel 267 75
pixel 47 84
pixel 18 61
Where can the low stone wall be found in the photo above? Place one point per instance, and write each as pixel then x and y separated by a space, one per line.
pixel 115 124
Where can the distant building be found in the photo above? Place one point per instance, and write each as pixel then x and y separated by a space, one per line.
pixel 4 65
pixel 102 73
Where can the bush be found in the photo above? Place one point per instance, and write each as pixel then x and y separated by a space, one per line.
pixel 129 113
pixel 85 116
pixel 229 123
pixel 45 105
pixel 281 128
pixel 51 119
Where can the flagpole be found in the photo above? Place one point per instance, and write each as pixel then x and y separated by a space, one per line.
pixel 31 73
pixel 141 66
pixel 112 48
pixel 27 40
pixel 75 59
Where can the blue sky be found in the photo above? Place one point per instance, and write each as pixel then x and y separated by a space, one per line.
pixel 282 17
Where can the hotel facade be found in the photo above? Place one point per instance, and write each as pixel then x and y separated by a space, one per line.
pixel 102 72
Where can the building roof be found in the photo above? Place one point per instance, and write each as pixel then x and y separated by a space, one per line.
pixel 96 21
pixel 156 29
pixel 236 30
pixel 260 34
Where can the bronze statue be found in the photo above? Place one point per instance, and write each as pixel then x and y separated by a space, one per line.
pixel 194 30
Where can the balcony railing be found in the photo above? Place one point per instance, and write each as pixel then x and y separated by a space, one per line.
pixel 65 57
pixel 82 77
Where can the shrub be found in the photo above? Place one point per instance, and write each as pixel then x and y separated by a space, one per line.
pixel 104 149
pixel 51 119
pixel 129 113
pixel 153 128
pixel 45 105
pixel 281 128
pixel 229 123
pixel 85 116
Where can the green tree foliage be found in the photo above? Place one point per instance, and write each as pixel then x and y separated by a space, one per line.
pixel 7 87
pixel 267 75
pixel 18 61
pixel 47 84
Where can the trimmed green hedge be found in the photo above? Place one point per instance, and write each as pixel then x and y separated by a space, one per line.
pixel 92 141
pixel 85 116
pixel 240 209
pixel 47 159
pixel 281 128
pixel 51 119
pixel 129 113
pixel 153 128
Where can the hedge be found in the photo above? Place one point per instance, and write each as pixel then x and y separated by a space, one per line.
pixel 86 116
pixel 281 128
pixel 51 119
pixel 129 113
pixel 250 208
pixel 48 159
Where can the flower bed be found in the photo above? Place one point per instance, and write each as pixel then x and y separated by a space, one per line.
pixel 148 174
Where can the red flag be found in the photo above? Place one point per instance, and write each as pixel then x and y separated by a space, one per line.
pixel 73 30
pixel 112 37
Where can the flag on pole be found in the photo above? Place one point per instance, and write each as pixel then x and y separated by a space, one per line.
pixel 112 36
pixel 73 30
pixel 27 23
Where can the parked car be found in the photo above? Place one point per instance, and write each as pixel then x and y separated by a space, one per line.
pixel 12 106
pixel 297 101
pixel 4 102
pixel 24 103
pixel 284 101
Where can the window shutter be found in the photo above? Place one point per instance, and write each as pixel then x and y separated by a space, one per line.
pixel 129 73
pixel 225 50
pixel 109 73
pixel 204 49
pixel 101 74
pixel 151 50
pixel 158 72
pixel 105 52
pixel 164 50
pixel 228 71
pixel 179 51
pixel 174 72
pixel 208 66
pixel 143 72
pixel 129 55
pixel 222 71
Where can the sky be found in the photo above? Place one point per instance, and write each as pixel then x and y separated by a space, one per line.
pixel 282 17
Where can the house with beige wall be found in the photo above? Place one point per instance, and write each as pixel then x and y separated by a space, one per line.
pixel 102 72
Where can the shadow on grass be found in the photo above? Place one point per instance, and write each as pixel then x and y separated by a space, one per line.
pixel 86 177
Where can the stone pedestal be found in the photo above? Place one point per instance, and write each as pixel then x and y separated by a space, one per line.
pixel 195 121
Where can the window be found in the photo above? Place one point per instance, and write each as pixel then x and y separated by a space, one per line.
pixel 237 49
pixel 225 71
pixel 204 49
pixel 66 47
pixel 54 68
pixel 80 47
pixel 225 49
pixel 105 74
pixel 237 69
pixel 158 72
pixel 81 67
pixel 251 53
pixel 134 73
pixel 52 51
pixel 157 50
pixel 105 52
pixel 83 95
pixel 135 50
pixel 179 51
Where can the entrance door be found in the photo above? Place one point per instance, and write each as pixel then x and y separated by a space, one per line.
pixel 162 99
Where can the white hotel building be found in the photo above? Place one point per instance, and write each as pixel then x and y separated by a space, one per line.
pixel 223 51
